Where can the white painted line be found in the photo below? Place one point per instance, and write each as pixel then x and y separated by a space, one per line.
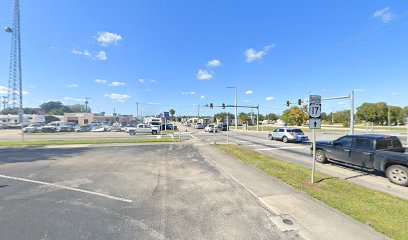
pixel 171 135
pixel 158 136
pixel 67 188
pixel 193 136
pixel 278 148
pixel 252 145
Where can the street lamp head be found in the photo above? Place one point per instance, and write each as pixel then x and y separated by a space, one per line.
pixel 8 29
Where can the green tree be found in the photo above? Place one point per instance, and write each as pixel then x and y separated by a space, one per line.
pixel 403 113
pixel 272 117
pixel 394 114
pixel 222 116
pixel 172 112
pixel 47 107
pixel 295 116
pixel 373 112
pixel 79 108
pixel 243 117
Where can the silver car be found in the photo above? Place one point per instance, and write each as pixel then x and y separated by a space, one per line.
pixel 288 135
pixel 32 128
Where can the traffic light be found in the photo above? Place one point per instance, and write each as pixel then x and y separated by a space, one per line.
pixel 287 103
pixel 211 106
pixel 300 102
pixel 223 106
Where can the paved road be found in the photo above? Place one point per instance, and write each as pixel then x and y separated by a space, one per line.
pixel 299 154
pixel 15 135
pixel 166 191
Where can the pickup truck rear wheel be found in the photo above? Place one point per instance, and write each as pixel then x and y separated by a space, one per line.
pixel 132 132
pixel 321 156
pixel 397 174
pixel 154 132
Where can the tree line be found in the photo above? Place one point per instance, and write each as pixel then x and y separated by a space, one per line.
pixel 51 108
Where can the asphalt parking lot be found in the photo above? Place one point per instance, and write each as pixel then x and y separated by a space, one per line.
pixel 124 192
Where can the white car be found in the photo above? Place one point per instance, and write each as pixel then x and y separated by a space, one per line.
pixel 143 128
pixel 211 128
pixel 288 135
pixel 32 128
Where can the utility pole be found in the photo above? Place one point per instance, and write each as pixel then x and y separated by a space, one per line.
pixel 352 112
pixel 236 109
pixel 137 110
pixel 257 118
pixel 198 112
pixel 4 102
pixel 86 104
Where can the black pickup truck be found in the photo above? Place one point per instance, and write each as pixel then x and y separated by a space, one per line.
pixel 382 153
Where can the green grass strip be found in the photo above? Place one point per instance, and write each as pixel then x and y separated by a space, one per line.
pixel 381 211
pixel 87 141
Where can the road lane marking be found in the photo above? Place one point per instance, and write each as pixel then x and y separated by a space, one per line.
pixel 67 188
pixel 171 135
pixel 278 148
pixel 158 136
pixel 196 138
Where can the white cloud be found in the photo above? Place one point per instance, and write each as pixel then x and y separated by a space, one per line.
pixel 384 15
pixel 141 80
pixel 246 101
pixel 153 103
pixel 214 63
pixel 189 93
pixel 101 56
pixel 117 97
pixel 79 52
pixel 116 84
pixel 202 97
pixel 74 85
pixel 342 103
pixel 3 90
pixel 253 55
pixel 394 94
pixel 204 75
pixel 269 98
pixel 152 80
pixel 107 38
pixel 101 81
pixel 148 90
pixel 249 92
pixel 359 90
pixel 69 99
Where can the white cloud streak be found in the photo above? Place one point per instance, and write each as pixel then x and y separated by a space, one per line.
pixel 101 81
pixel 269 98
pixel 202 97
pixel 117 97
pixel 214 63
pixel 116 84
pixel 107 38
pixel 204 75
pixel 253 55
pixel 73 85
pixel 141 80
pixel 69 99
pixel 101 56
pixel 384 15
pixel 249 92
pixel 189 93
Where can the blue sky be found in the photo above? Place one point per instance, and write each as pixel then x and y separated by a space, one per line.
pixel 161 53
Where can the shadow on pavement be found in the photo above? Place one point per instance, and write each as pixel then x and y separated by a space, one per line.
pixel 31 154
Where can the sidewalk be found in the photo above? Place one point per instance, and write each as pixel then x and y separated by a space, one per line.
pixel 310 218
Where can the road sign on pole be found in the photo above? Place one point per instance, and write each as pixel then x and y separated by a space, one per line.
pixel 315 122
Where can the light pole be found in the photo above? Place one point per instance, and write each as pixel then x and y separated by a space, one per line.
pixel 236 107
